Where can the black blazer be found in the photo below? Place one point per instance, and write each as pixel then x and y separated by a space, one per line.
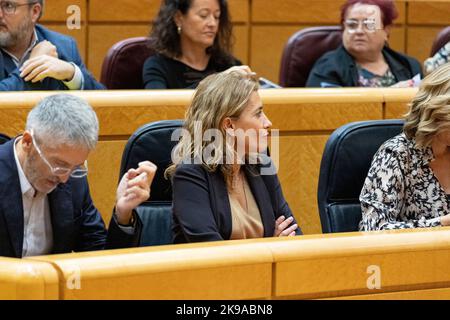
pixel 201 207
pixel 338 68
pixel 77 224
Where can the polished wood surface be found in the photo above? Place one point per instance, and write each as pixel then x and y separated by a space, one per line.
pixel 241 271
pixel 305 118
pixel 410 264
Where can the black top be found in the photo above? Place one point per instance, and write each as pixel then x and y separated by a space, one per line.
pixel 201 206
pixel 162 72
pixel 337 68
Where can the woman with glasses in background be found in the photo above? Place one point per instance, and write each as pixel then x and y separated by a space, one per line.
pixel 364 59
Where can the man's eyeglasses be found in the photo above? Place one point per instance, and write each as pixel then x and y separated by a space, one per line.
pixel 368 25
pixel 9 7
pixel 78 172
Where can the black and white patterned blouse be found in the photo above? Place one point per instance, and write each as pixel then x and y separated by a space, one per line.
pixel 400 190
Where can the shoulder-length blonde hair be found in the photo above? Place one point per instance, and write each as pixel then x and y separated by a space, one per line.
pixel 217 97
pixel 429 112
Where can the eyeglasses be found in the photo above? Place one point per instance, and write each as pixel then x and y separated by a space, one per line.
pixel 77 172
pixel 368 25
pixel 9 7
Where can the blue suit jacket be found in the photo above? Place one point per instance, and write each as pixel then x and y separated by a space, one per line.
pixel 10 79
pixel 77 224
pixel 201 206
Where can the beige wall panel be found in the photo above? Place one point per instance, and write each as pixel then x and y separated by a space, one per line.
pixel 240 49
pixel 56 10
pixel 316 116
pixel 104 166
pixel 124 121
pixel 78 34
pixel 420 40
pixel 123 10
pixel 239 10
pixel 397 39
pixel 146 10
pixel 305 11
pixel 13 121
pixel 267 44
pixel 429 12
pixel 295 11
pixel 298 172
pixel 396 110
pixel 102 38
pixel 401 8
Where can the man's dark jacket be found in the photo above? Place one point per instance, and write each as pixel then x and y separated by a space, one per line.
pixel 77 224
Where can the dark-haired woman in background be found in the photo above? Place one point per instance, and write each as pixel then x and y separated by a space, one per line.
pixel 364 59
pixel 192 39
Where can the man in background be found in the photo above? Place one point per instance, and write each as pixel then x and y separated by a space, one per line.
pixel 35 58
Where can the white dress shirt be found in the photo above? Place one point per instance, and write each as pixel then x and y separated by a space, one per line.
pixel 37 232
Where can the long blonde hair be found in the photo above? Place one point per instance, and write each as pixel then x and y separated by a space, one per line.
pixel 217 97
pixel 429 111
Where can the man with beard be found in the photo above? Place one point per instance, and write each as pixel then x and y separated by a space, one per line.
pixel 35 58
pixel 45 205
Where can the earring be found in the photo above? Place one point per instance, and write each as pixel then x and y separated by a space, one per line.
pixel 179 29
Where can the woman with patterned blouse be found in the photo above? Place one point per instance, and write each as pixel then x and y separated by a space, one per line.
pixel 439 58
pixel 408 184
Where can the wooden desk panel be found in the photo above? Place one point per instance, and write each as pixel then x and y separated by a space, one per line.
pixel 201 271
pixel 26 280
pixel 294 11
pixel 342 264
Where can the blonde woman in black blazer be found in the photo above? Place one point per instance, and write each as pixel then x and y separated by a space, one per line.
pixel 221 188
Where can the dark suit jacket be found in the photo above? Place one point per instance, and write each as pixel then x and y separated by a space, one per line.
pixel 10 79
pixel 201 207
pixel 338 68
pixel 77 224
